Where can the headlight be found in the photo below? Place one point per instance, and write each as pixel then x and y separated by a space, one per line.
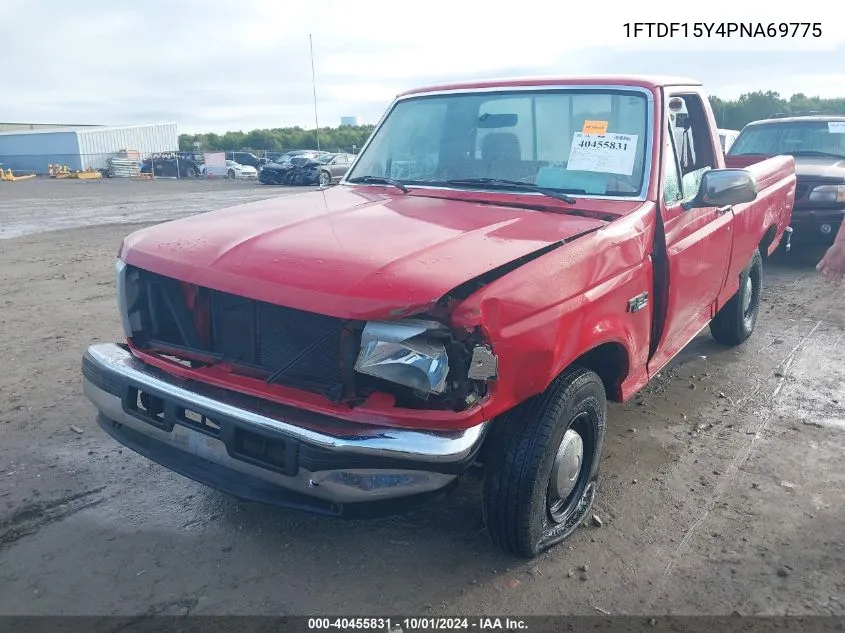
pixel 405 353
pixel 828 193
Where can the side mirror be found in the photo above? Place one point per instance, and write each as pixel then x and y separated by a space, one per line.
pixel 724 188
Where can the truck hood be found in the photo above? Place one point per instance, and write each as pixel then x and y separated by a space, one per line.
pixel 820 168
pixel 348 252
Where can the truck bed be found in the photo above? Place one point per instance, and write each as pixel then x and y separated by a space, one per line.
pixel 761 223
pixel 741 161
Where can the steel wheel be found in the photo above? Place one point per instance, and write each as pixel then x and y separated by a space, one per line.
pixel 567 479
pixel 751 298
pixel 737 319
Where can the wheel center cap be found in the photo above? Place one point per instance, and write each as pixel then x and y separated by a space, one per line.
pixel 748 294
pixel 567 464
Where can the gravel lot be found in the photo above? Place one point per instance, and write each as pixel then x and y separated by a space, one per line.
pixel 721 492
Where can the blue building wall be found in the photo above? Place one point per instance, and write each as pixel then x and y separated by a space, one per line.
pixel 34 151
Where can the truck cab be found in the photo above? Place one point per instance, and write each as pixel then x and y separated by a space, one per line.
pixel 502 260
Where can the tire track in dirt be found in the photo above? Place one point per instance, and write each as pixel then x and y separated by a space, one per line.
pixel 32 517
pixel 739 459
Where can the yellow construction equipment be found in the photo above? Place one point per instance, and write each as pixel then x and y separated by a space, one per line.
pixel 88 174
pixel 63 171
pixel 8 175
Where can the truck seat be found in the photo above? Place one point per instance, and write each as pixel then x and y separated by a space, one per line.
pixel 501 155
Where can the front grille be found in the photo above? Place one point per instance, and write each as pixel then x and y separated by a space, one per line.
pixel 255 337
pixel 270 337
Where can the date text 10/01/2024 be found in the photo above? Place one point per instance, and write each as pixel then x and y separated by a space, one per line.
pixel 405 625
pixel 723 29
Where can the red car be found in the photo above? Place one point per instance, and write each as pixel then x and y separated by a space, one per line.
pixel 502 259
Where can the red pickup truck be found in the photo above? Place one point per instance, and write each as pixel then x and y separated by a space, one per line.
pixel 502 259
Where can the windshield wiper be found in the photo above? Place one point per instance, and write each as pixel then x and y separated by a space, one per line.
pixel 378 180
pixel 809 152
pixel 501 183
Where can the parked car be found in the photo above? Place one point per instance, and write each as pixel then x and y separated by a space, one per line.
pixel 172 165
pixel 322 170
pixel 281 157
pixel 272 157
pixel 246 158
pixel 231 170
pixel 817 143
pixel 281 173
pixel 288 357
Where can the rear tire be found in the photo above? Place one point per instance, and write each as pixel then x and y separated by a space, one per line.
pixel 230 174
pixel 325 179
pixel 735 322
pixel 538 486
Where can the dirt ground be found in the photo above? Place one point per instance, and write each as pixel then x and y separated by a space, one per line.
pixel 722 487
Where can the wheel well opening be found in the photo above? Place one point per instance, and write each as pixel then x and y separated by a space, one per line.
pixel 767 240
pixel 610 362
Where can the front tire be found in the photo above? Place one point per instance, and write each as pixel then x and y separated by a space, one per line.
pixel 230 174
pixel 542 464
pixel 736 320
pixel 325 179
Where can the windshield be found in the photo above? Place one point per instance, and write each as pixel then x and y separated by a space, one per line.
pixel 773 139
pixel 573 141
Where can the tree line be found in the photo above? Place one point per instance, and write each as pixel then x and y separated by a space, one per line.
pixel 753 106
pixel 338 139
pixel 730 114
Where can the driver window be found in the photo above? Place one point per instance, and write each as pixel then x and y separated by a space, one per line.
pixel 671 172
pixel 691 133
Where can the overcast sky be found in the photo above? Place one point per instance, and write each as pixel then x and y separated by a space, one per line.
pixel 214 65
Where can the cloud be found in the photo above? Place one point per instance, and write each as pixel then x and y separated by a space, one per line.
pixel 213 65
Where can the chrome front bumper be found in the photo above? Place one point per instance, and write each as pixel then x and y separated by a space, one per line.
pixel 269 453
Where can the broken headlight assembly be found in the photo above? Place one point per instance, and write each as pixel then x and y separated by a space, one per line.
pixel 407 353
pixel 428 363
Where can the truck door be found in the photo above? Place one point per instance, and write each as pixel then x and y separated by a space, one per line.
pixel 698 242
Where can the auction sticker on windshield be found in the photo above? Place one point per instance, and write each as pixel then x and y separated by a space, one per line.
pixel 594 127
pixel 836 127
pixel 605 153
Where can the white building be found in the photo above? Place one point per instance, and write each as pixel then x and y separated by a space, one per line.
pixel 348 121
pixel 83 147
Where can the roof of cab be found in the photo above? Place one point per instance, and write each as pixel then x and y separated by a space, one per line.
pixel 640 81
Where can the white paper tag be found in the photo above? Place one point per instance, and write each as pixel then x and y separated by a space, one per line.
pixel 836 127
pixel 604 153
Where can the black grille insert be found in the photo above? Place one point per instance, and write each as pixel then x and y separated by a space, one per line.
pixel 234 328
pixel 293 347
pixel 270 337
